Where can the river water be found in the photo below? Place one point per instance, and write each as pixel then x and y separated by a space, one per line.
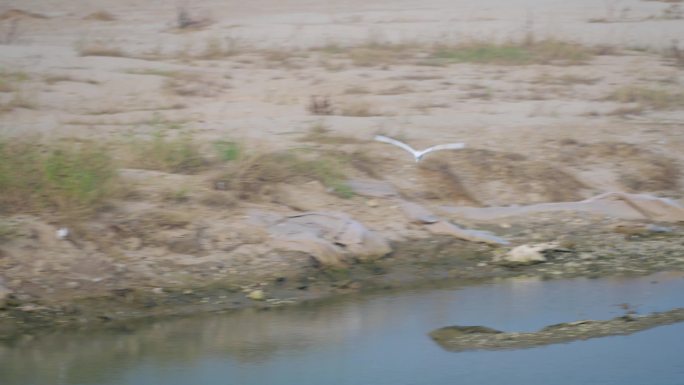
pixel 376 340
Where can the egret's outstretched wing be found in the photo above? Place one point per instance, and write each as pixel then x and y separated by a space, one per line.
pixel 381 138
pixel 448 146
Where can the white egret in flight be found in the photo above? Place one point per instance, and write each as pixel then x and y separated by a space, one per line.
pixel 419 154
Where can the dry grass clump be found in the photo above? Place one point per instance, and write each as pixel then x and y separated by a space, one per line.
pixel 658 175
pixel 529 51
pixel 19 99
pixel 151 71
pixel 9 80
pixel 14 13
pixel 646 97
pixel 216 48
pixel 194 84
pixel 186 21
pixel 179 154
pixel 675 54
pixel 58 78
pixel 358 109
pixel 69 179
pixel 253 176
pixel 320 105
pixel 564 80
pixel 637 168
pixel 372 53
pixel 319 133
pixel 673 12
pixel 100 16
pixel 356 90
pixel 219 199
pixel 98 48
pixel 444 184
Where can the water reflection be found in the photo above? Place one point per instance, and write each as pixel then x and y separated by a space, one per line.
pixel 362 338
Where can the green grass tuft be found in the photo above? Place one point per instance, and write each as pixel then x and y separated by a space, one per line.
pixel 179 154
pixel 69 179
pixel 513 53
pixel 227 150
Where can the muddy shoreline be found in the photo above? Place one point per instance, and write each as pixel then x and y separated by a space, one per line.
pixel 438 261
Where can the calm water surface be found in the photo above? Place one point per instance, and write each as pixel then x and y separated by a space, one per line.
pixel 376 340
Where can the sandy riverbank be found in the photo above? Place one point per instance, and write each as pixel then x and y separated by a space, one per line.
pixel 232 183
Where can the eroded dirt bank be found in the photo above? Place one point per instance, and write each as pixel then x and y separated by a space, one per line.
pixel 584 247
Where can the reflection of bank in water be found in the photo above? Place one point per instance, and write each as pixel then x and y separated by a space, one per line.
pixel 462 338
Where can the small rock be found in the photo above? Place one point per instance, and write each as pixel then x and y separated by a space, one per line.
pixel 62 233
pixel 73 285
pixel 256 295
pixel 527 254
pixel 158 290
pixel 372 203
pixel 29 307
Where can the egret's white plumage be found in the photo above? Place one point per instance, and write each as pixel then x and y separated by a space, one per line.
pixel 419 154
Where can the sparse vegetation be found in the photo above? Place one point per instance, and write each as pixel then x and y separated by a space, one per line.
pixel 673 12
pixel 10 34
pixel 372 53
pixel 227 150
pixel 358 109
pixel 564 80
pixel 9 80
pixel 253 175
pixel 194 84
pixel 152 71
pixel 98 48
pixel 548 51
pixel 320 105
pixel 216 48
pixel 651 98
pixel 100 16
pixel 179 154
pixel 675 53
pixel 319 133
pixel 7 230
pixel 57 78
pixel 179 195
pixel 184 19
pixel 70 179
pixel 529 51
pixel 19 99
pixel 356 90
